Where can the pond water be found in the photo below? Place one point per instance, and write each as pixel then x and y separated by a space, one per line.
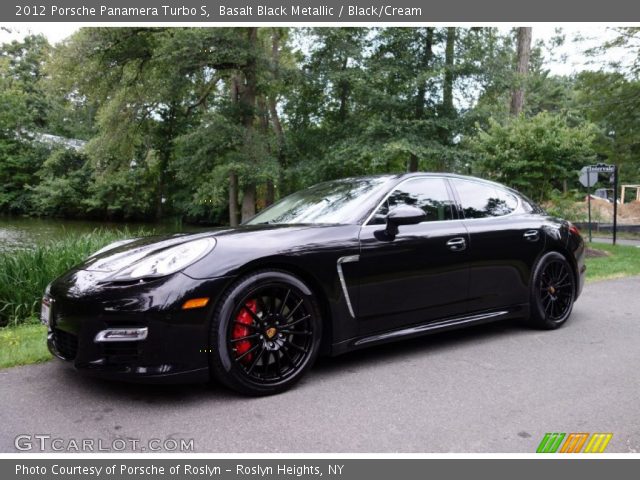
pixel 25 232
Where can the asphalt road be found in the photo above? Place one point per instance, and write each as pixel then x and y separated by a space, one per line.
pixel 495 388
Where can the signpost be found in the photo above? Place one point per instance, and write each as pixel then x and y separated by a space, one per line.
pixel 588 179
pixel 589 176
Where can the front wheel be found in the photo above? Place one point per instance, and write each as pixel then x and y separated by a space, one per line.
pixel 265 333
pixel 553 291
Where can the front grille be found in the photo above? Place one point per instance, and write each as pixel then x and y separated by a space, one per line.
pixel 66 343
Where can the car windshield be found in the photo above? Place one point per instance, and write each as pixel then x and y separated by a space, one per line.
pixel 333 202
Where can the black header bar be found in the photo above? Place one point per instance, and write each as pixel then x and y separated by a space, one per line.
pixel 312 11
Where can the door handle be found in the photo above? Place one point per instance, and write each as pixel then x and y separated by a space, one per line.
pixel 457 244
pixel 532 235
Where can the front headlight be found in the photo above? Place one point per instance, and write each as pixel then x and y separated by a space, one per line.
pixel 167 261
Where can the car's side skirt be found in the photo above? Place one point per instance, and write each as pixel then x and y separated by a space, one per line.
pixel 431 327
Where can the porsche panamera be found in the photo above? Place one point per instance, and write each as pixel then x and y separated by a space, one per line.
pixel 336 267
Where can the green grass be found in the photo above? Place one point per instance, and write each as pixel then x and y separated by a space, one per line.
pixel 624 261
pixel 23 345
pixel 24 274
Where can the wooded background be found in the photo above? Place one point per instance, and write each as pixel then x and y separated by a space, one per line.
pixel 212 124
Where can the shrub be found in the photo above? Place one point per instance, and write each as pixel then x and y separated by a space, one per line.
pixel 24 274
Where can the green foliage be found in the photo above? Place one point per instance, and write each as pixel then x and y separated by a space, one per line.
pixel 23 345
pixel 123 194
pixel 22 74
pixel 612 101
pixel 534 155
pixel 566 206
pixel 24 274
pixel 19 164
pixel 63 182
pixel 171 115
pixel 24 109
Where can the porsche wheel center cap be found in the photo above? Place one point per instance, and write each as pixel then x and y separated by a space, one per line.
pixel 270 332
pixel 552 290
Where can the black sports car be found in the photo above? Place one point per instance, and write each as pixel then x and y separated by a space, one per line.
pixel 336 267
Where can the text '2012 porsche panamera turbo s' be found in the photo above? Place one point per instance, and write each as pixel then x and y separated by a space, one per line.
pixel 336 267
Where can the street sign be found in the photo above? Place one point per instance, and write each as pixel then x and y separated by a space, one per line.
pixel 588 178
pixel 601 168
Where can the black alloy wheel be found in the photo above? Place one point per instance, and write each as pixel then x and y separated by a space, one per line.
pixel 553 291
pixel 265 333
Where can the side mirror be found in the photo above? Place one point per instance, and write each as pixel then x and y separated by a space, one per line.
pixel 403 215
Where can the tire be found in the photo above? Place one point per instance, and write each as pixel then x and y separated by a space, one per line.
pixel 265 333
pixel 553 291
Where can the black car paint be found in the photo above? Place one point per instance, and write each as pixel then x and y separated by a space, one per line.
pixel 400 287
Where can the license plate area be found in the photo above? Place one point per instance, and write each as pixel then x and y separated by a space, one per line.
pixel 45 311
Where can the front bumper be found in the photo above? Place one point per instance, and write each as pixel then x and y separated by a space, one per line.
pixel 173 347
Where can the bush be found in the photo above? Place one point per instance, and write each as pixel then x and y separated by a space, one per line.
pixel 534 155
pixel 565 206
pixel 24 274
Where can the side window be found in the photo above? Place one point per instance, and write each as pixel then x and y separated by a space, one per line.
pixel 480 200
pixel 429 194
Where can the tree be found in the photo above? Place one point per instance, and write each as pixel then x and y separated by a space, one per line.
pixel 153 84
pixel 522 68
pixel 215 124
pixel 24 106
pixel 63 186
pixel 534 154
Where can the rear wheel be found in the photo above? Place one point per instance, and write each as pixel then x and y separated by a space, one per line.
pixel 265 333
pixel 552 291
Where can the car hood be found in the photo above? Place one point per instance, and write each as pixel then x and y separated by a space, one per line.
pixel 122 255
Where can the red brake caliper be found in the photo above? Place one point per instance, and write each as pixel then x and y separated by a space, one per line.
pixel 239 330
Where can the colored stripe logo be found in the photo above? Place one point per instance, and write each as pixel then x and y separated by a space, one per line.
pixel 550 442
pixel 574 442
pixel 598 442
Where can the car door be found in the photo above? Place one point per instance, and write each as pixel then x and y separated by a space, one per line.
pixel 421 274
pixel 504 243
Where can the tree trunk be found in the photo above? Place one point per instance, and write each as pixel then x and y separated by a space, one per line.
pixel 447 90
pixel 263 115
pixel 344 91
pixel 248 101
pixel 522 68
pixel 248 201
pixel 233 199
pixel 164 162
pixel 248 94
pixel 427 56
pixel 282 159
pixel 270 195
pixel 447 111
pixel 234 207
pixel 275 117
pixel 413 162
pixel 275 59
